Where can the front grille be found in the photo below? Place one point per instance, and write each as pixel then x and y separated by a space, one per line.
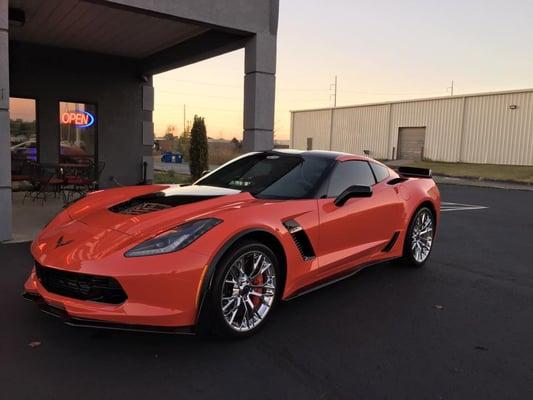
pixel 80 286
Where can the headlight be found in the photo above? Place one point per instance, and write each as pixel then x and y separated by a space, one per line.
pixel 174 239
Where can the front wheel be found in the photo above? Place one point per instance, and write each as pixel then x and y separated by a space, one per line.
pixel 419 238
pixel 244 290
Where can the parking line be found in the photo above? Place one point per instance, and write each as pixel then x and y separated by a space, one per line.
pixel 447 206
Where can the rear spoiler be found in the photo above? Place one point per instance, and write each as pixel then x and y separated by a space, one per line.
pixel 413 172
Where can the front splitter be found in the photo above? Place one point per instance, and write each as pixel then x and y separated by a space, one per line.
pixel 89 323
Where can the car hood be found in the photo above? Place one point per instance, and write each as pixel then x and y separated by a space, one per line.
pixel 146 210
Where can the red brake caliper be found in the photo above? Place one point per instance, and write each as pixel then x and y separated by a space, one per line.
pixel 257 281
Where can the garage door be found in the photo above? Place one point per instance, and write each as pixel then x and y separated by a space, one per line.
pixel 411 143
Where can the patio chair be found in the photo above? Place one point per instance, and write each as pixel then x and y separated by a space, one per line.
pixel 42 179
pixel 21 170
pixel 81 179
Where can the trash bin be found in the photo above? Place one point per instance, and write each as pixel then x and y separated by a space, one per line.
pixel 169 157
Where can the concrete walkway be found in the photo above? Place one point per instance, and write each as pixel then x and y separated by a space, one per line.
pixel 30 217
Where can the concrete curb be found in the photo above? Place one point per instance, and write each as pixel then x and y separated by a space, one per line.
pixel 476 182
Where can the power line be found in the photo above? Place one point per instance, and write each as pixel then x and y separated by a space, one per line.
pixel 281 89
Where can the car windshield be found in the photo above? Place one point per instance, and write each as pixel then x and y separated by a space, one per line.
pixel 271 175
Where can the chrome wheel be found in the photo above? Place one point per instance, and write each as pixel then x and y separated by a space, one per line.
pixel 422 236
pixel 248 291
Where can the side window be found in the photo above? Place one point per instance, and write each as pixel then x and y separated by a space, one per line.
pixel 349 173
pixel 380 171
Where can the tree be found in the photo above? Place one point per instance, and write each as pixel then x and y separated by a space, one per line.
pixel 198 152
pixel 236 142
pixel 169 136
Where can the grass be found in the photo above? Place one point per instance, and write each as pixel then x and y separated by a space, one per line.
pixel 220 153
pixel 511 173
pixel 162 177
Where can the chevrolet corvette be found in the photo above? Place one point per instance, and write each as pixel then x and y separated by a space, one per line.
pixel 218 255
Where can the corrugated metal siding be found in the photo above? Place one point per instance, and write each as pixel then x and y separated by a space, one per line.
pixel 442 119
pixel 475 129
pixel 312 124
pixel 495 134
pixel 362 128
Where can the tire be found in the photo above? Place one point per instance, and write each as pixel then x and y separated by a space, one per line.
pixel 244 291
pixel 417 247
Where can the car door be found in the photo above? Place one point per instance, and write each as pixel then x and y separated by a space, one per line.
pixel 355 232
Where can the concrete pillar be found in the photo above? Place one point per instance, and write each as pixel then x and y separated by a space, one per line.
pixel 148 128
pixel 259 92
pixel 5 135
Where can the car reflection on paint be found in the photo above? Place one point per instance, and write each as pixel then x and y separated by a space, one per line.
pixel 68 152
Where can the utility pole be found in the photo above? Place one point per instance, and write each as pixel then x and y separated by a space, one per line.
pixel 184 116
pixel 334 87
pixel 450 88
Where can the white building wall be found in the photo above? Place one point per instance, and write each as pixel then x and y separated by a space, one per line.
pixel 472 128
pixel 495 134
pixel 313 124
pixel 362 128
pixel 442 120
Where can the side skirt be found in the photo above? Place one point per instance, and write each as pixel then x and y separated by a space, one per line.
pixel 335 278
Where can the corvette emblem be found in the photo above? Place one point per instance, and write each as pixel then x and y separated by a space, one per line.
pixel 60 242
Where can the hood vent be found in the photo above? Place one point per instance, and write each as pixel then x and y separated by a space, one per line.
pixel 154 202
pixel 300 239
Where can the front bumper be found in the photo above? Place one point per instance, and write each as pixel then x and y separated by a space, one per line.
pixel 163 293
pixel 90 323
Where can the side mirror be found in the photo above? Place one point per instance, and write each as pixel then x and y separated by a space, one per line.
pixel 353 191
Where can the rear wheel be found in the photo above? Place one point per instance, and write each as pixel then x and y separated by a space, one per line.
pixel 419 238
pixel 244 290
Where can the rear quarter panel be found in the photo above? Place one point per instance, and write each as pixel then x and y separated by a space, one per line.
pixel 417 191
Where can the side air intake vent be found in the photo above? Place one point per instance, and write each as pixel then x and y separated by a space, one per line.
pixel 300 239
pixel 395 181
pixel 391 243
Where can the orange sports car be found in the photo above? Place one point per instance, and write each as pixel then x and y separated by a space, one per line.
pixel 216 256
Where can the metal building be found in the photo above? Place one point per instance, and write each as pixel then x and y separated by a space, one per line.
pixel 487 128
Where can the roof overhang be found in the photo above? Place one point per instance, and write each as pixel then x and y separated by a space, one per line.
pixel 158 41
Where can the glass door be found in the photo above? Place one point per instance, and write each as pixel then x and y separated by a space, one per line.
pixel 77 134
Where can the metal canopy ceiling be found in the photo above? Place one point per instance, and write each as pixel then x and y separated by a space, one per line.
pixel 98 28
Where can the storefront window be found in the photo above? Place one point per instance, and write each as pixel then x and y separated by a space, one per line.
pixel 23 128
pixel 77 123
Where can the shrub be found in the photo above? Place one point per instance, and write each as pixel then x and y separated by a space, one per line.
pixel 198 153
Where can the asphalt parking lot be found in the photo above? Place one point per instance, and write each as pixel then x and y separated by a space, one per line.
pixel 460 328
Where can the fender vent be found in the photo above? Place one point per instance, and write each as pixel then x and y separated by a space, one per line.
pixel 391 243
pixel 300 239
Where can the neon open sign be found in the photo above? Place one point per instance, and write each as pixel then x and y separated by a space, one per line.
pixel 79 118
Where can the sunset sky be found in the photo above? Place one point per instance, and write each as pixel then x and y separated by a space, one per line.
pixel 381 50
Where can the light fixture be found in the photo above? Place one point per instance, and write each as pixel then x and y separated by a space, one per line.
pixel 513 107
